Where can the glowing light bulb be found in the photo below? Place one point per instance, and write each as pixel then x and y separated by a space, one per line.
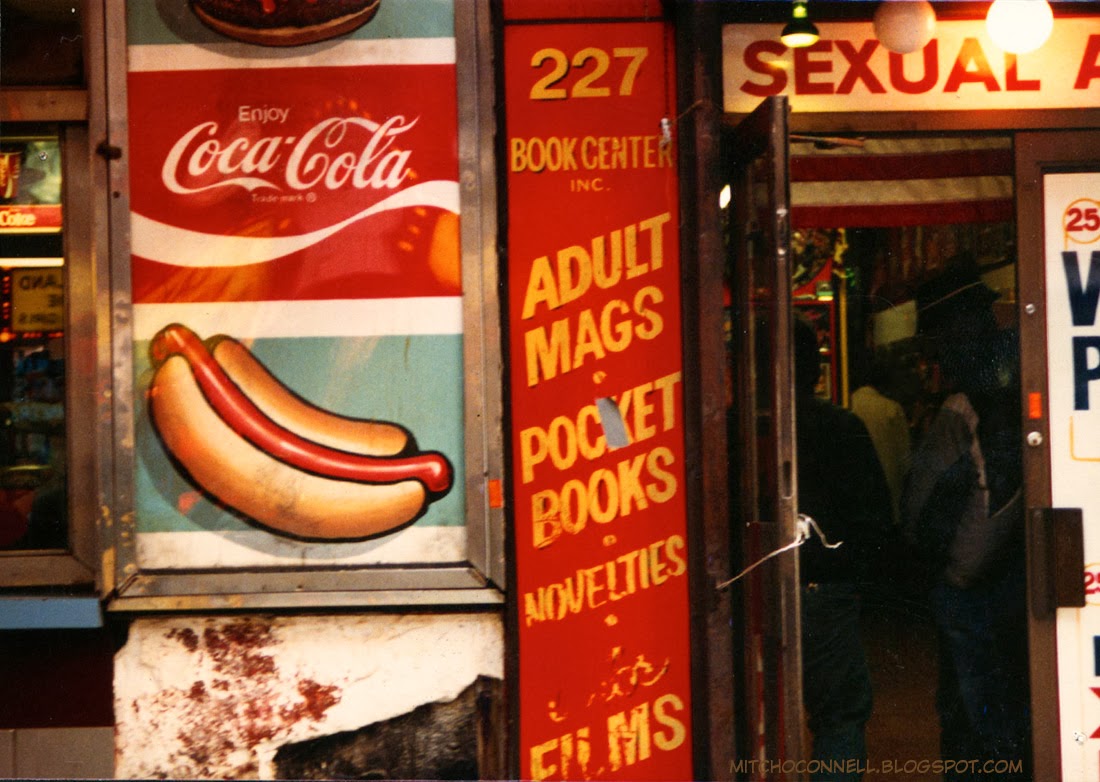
pixel 904 26
pixel 1019 26
pixel 800 31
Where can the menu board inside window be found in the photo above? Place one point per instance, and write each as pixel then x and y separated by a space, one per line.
pixel 33 504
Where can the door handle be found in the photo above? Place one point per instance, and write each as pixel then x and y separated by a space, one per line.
pixel 1056 550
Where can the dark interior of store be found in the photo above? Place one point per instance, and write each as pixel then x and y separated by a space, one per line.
pixel 862 244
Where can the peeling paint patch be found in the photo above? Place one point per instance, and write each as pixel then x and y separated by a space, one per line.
pixel 234 649
pixel 238 704
pixel 198 691
pixel 441 740
pixel 316 700
pixel 216 697
pixel 186 636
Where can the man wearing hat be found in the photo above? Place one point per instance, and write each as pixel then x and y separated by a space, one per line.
pixel 962 510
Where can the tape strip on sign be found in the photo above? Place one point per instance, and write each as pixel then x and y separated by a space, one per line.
pixel 614 428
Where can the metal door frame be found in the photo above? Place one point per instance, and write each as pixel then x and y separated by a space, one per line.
pixel 1039 153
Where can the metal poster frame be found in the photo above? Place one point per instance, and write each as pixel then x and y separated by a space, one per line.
pixel 478 578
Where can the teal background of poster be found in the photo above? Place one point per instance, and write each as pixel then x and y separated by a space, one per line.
pixel 362 387
pixel 171 21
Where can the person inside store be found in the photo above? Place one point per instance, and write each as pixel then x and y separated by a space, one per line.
pixel 962 514
pixel 842 488
pixel 886 421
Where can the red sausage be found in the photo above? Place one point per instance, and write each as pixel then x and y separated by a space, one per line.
pixel 239 412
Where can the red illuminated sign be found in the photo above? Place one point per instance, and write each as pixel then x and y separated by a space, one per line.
pixel 960 69
pixel 596 391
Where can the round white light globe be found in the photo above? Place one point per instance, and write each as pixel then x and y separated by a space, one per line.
pixel 1019 26
pixel 904 26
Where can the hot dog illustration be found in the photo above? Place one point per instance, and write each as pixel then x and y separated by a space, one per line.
pixel 259 449
pixel 284 407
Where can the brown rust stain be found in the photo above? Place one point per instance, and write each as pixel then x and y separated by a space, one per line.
pixel 233 648
pixel 244 705
pixel 186 636
pixel 316 700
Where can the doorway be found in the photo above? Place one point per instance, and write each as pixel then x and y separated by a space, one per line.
pixel 872 219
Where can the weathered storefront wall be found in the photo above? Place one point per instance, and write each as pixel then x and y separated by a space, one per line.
pixel 241 697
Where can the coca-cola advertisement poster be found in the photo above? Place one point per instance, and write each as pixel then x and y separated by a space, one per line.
pixel 601 556
pixel 297 303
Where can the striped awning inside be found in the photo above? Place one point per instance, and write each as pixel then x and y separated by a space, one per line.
pixel 886 182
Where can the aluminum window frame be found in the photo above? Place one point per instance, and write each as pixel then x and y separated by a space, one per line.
pixel 84 236
pixel 476 581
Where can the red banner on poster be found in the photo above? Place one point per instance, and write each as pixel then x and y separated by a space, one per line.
pixel 311 183
pixel 596 377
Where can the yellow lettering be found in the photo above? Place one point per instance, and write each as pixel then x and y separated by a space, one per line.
pixel 656 460
pixel 590 448
pixel 631 491
pixel 606 479
pixel 571 258
pixel 546 357
pixel 653 318
pixel 573 495
pixel 545 518
pixel 540 771
pixel 588 339
pixel 642 410
pixel 617 337
pixel 667 386
pixel 656 565
pixel 606 277
pixel 533 450
pixel 540 288
pixel 655 226
pixel 628 742
pixel 562 439
pixel 677 732
pixel 532 610
pixel 673 546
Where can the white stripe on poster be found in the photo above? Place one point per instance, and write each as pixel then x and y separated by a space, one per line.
pixel 239 56
pixel 425 315
pixel 171 244
pixel 255 548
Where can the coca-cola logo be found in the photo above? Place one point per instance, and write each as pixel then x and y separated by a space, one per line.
pixel 12 218
pixel 335 153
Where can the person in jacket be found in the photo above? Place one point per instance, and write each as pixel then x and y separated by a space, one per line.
pixel 962 512
pixel 842 488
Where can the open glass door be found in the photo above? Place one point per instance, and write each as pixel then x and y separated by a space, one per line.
pixel 1058 202
pixel 761 421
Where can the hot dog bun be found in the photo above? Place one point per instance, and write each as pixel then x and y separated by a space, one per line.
pixel 284 407
pixel 262 488
pixel 284 22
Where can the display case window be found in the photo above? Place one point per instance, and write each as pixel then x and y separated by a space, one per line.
pixel 33 507
pixel 53 329
pixel 41 43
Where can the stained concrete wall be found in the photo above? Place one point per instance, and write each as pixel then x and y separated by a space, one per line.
pixel 217 697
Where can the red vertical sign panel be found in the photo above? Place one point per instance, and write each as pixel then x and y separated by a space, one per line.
pixel 595 347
